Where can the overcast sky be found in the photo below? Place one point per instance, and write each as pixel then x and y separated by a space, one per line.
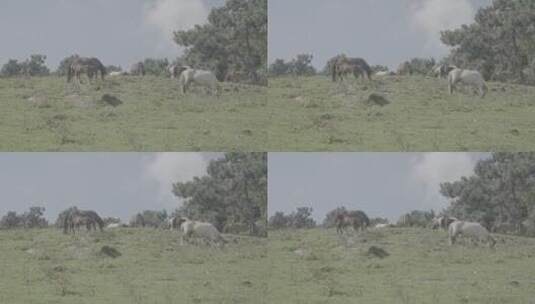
pixel 113 184
pixel 119 32
pixel 383 32
pixel 380 184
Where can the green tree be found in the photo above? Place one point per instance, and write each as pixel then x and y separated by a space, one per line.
pixel 11 220
pixel 301 65
pixel 279 68
pixel 234 39
pixel 11 68
pixel 155 66
pixel 34 218
pixel 499 194
pixel 35 66
pixel 234 191
pixel 501 42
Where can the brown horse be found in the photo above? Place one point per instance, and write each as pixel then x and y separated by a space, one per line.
pixel 342 65
pixel 74 220
pixel 356 219
pixel 90 66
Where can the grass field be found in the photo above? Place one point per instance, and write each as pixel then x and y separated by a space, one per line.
pixel 47 114
pixel 315 114
pixel 45 266
pixel 317 266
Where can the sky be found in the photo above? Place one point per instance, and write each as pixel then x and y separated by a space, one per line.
pixel 119 32
pixel 385 32
pixel 381 184
pixel 113 184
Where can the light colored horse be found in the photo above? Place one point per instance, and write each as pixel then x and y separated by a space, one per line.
pixel 200 230
pixel 467 77
pixel 203 78
pixel 474 231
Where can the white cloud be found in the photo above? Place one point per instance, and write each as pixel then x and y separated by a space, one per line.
pixel 434 16
pixel 167 16
pixel 168 168
pixel 431 169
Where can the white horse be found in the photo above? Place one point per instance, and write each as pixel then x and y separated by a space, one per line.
pixel 203 78
pixel 384 73
pixel 201 230
pixel 467 77
pixel 114 225
pixel 469 229
pixel 116 73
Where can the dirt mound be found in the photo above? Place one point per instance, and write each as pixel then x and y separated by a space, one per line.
pixel 378 252
pixel 376 99
pixel 110 252
pixel 111 100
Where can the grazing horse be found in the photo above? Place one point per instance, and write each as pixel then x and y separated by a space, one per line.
pixel 357 219
pixel 342 65
pixel 474 231
pixel 467 77
pixel 75 219
pixel 89 66
pixel 137 69
pixel 201 230
pixel 204 78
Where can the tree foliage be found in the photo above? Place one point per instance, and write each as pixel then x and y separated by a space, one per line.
pixel 299 66
pixel 150 218
pixel 500 194
pixel 233 193
pixel 299 219
pixel 33 218
pixel 233 39
pixel 416 218
pixel 500 43
pixel 34 66
pixel 156 66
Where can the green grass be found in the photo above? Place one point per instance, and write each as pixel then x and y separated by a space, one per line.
pixel 46 266
pixel 315 114
pixel 318 266
pixel 47 114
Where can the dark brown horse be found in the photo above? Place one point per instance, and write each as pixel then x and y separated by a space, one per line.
pixel 90 66
pixel 356 219
pixel 342 65
pixel 77 218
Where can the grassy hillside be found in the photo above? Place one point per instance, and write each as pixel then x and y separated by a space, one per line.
pixel 47 114
pixel 317 266
pixel 313 113
pixel 45 266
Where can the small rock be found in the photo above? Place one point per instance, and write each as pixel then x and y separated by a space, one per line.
pixel 377 252
pixel 110 251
